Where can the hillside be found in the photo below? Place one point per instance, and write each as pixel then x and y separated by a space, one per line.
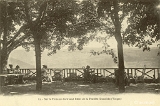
pixel 66 59
pixel 137 58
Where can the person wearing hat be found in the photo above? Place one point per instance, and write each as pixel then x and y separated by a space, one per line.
pixel 45 74
pixel 11 69
pixel 17 70
pixel 11 77
pixel 43 71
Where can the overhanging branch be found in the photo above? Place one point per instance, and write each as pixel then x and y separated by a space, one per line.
pixel 17 34
pixel 20 44
pixel 17 42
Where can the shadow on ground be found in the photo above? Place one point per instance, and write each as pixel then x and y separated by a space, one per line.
pixel 78 88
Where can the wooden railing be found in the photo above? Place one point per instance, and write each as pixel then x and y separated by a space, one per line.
pixel 148 73
pixel 152 73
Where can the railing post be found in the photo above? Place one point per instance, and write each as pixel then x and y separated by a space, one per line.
pixel 25 71
pixel 28 70
pixel 158 75
pixel 154 74
pixel 75 72
pixel 20 71
pixel 64 73
pixel 101 71
pixel 70 73
pixel 128 72
pixel 131 72
pixel 135 74
pixel 97 73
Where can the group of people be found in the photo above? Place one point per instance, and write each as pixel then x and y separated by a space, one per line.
pixel 16 70
pixel 11 69
pixel 12 79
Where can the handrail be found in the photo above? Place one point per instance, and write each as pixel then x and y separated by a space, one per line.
pixel 103 71
pixel 91 68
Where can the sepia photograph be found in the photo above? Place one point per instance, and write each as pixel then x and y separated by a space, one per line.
pixel 79 52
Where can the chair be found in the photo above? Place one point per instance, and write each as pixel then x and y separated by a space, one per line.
pixel 140 79
pixel 72 76
pixel 46 78
pixel 57 75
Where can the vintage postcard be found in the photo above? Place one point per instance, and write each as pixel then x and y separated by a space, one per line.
pixel 79 52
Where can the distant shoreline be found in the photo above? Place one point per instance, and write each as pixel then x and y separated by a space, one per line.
pixel 133 57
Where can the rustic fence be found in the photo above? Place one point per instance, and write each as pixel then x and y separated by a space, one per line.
pixel 152 74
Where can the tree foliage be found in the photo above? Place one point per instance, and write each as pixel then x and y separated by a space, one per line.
pixel 11 17
pixel 143 22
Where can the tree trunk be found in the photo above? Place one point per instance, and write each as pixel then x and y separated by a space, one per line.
pixel 0 71
pixel 0 57
pixel 38 63
pixel 5 25
pixel 121 68
pixel 120 48
pixel 4 58
pixel 3 64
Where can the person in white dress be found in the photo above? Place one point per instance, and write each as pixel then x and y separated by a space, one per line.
pixel 45 73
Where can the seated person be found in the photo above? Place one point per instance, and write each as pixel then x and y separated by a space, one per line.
pixel 86 73
pixel 17 70
pixel 45 74
pixel 5 70
pixel 11 69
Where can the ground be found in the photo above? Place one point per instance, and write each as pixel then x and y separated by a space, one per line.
pixel 80 94
pixel 79 88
